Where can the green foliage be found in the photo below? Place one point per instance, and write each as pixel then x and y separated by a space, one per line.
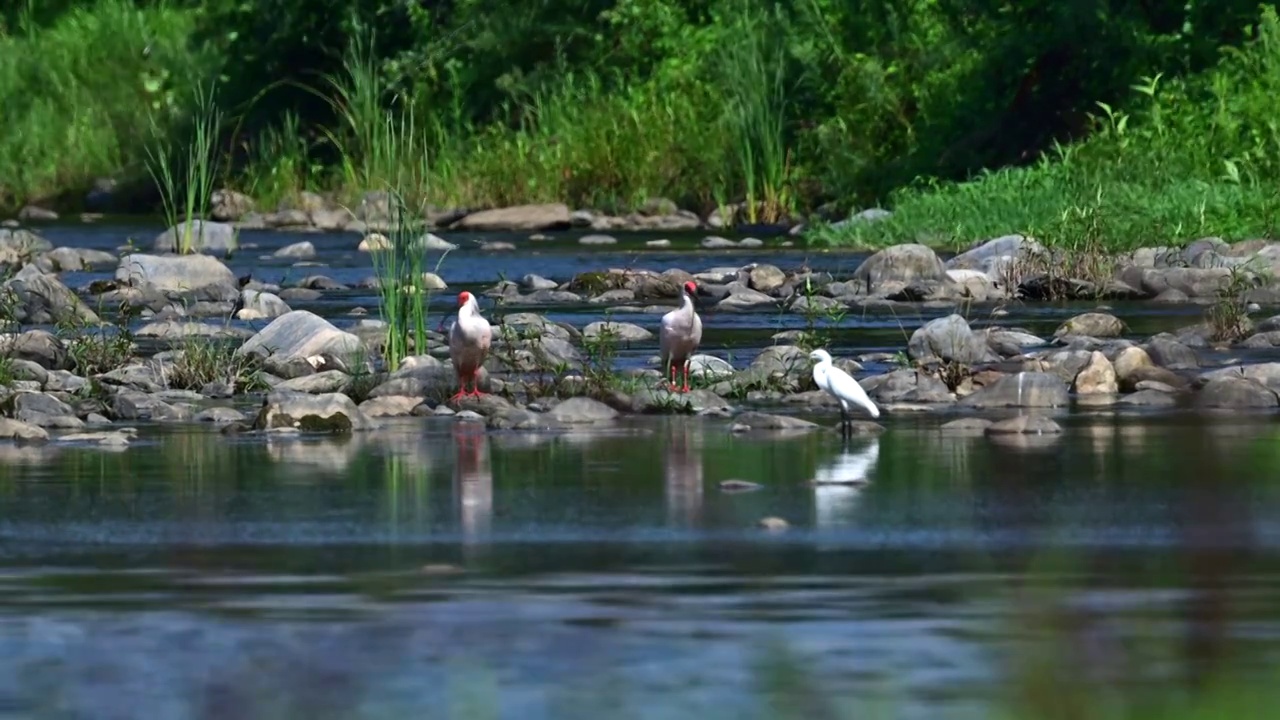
pixel 1195 156
pixel 78 88
pixel 970 118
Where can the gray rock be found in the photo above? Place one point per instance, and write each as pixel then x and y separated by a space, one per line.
pixel 19 246
pixel 302 334
pixel 257 305
pixel 715 242
pixel 949 339
pixel 175 330
pixel 748 421
pixel 390 406
pixel 22 432
pixel 906 385
pixel 133 405
pixel 38 346
pixel 1025 425
pixel 1092 324
pixel 1148 398
pixel 899 263
pixel 75 259
pixel 323 413
pixel 329 381
pixel 1236 392
pixel 581 410
pixel 205 236
pixel 226 205
pixel 537 282
pixel 620 331
pixel 199 277
pixel 38 298
pixel 709 368
pixel 220 415
pixel 997 258
pixel 765 278
pixel 296 251
pixel 1024 389
pixel 743 298
pixel 520 218
pixel 1169 353
pixel 596 239
pixel 966 426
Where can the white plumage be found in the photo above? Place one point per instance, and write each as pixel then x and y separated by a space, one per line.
pixel 678 338
pixel 469 340
pixel 840 385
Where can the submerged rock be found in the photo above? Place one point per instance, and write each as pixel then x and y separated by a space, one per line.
pixel 1024 389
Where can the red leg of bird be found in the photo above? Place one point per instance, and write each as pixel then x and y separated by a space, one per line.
pixel 673 377
pixel 686 377
pixel 462 389
pixel 475 385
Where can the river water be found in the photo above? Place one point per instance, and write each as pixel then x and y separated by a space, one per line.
pixel 432 569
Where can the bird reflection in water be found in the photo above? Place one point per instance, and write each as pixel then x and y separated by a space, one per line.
pixel 472 479
pixel 838 483
pixel 682 470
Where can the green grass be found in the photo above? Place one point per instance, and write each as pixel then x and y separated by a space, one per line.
pixel 1197 157
pixel 79 94
pixel 707 104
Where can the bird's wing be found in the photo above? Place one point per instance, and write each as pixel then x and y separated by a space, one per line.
pixel 845 387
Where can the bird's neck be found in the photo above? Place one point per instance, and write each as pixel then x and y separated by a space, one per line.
pixel 686 304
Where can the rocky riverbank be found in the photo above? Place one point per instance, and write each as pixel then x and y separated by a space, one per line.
pixel 71 373
pixel 374 212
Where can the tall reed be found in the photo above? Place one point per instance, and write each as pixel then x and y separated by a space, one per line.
pixel 402 293
pixel 187 198
pixel 384 150
pixel 753 74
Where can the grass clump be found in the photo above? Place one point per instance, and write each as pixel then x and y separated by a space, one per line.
pixel 204 361
pixel 1198 156
pixel 186 198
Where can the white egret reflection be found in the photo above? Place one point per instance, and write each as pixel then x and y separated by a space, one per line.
pixel 838 483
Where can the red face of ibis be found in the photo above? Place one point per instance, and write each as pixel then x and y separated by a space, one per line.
pixel 463 298
pixel 691 288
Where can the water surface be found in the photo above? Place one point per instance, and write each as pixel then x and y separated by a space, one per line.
pixel 553 576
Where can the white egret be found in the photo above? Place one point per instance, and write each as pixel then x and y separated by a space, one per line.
pixel 469 340
pixel 679 336
pixel 840 385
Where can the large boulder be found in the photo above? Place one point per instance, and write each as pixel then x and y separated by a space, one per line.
pixel 300 334
pixel 321 413
pixel 38 298
pixel 949 339
pixel 199 277
pixel 901 263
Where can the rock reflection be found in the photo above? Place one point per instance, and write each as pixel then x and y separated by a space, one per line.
pixel 472 480
pixel 682 471
pixel 838 484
